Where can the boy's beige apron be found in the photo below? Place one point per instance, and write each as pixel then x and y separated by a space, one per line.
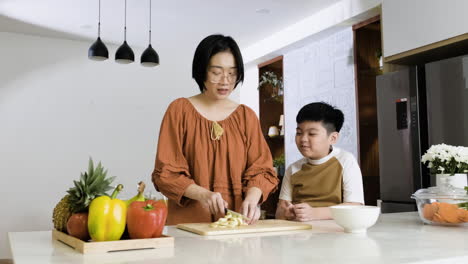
pixel 318 185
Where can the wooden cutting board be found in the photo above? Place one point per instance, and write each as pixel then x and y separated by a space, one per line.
pixel 270 225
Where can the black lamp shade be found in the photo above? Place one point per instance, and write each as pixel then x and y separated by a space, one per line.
pixel 150 57
pixel 124 54
pixel 98 51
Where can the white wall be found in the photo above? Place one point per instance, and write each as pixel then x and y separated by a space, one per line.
pixel 344 12
pixel 293 40
pixel 319 25
pixel 412 24
pixel 57 108
pixel 321 71
pixel 249 91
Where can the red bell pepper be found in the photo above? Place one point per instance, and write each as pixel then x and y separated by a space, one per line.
pixel 146 219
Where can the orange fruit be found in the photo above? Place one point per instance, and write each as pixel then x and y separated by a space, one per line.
pixel 438 218
pixel 428 211
pixel 463 215
pixel 449 212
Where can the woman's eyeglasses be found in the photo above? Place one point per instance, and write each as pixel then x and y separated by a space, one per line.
pixel 217 75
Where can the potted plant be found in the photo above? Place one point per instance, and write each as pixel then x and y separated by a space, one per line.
pixel 278 163
pixel 270 79
pixel 378 55
pixel 448 163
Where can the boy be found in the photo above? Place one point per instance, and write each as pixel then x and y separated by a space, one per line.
pixel 326 175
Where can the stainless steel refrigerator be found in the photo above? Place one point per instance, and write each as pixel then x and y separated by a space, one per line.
pixel 416 108
pixel 400 96
pixel 447 101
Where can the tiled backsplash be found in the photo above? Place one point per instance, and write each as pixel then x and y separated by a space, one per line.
pixel 321 71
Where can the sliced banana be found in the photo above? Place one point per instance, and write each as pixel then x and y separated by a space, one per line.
pixel 228 220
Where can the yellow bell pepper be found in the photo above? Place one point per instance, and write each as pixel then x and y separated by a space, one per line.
pixel 107 217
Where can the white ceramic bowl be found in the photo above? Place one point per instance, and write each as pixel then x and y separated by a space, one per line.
pixel 355 218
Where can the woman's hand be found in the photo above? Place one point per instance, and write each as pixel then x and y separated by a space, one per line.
pixel 249 207
pixel 214 201
pixel 208 199
pixel 251 211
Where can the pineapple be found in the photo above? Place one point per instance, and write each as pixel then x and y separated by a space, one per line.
pixel 92 184
pixel 61 214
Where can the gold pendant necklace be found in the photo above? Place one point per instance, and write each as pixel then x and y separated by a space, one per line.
pixel 216 131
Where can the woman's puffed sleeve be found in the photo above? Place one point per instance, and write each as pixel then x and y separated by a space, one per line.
pixel 259 171
pixel 171 175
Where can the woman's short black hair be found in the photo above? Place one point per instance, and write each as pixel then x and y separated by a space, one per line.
pixel 209 47
pixel 331 117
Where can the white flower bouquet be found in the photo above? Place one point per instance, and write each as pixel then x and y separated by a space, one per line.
pixel 446 159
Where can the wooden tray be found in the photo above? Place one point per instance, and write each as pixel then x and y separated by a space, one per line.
pixel 112 246
pixel 270 225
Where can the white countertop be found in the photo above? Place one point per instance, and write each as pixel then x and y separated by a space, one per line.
pixel 396 238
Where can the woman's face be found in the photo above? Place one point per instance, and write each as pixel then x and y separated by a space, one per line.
pixel 221 75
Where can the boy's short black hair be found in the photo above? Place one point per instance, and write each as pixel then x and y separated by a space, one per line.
pixel 207 48
pixel 331 117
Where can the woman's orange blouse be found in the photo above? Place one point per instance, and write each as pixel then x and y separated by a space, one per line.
pixel 186 154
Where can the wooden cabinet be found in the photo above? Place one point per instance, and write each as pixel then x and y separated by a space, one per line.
pixel 271 110
pixel 411 28
pixel 367 40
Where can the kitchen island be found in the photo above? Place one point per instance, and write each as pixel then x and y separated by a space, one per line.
pixel 395 238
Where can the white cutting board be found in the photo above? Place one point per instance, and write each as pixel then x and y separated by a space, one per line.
pixel 270 225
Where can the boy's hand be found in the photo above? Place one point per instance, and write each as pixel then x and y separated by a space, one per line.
pixel 285 210
pixel 304 212
pixel 289 212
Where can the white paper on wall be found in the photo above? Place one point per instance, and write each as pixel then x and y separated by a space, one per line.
pixel 321 71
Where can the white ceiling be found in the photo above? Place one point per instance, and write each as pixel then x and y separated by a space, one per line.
pixel 173 21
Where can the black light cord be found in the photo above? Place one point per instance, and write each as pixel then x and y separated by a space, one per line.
pixel 99 22
pixel 125 26
pixel 150 24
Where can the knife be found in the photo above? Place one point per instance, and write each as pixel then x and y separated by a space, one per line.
pixel 236 214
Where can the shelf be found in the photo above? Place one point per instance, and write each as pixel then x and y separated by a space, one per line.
pixel 270 110
pixel 275 100
pixel 371 71
pixel 273 138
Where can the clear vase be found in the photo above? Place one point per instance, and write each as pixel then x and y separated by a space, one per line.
pixel 457 180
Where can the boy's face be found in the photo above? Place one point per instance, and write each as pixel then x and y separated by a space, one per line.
pixel 313 141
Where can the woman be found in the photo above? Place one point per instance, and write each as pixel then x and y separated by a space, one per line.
pixel 211 152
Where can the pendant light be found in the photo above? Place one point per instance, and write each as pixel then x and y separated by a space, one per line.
pixel 98 51
pixel 150 57
pixel 125 54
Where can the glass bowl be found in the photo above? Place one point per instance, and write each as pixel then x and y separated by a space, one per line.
pixel 444 205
